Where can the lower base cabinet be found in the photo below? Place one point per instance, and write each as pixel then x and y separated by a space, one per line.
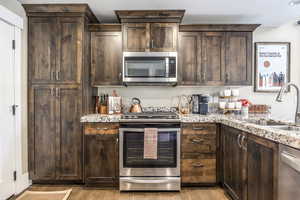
pixel 101 154
pixel 250 165
pixel 262 169
pixel 198 154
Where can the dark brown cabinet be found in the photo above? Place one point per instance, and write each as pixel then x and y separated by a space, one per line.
pixel 55 133
pixel 42 49
pixel 136 37
pixel 106 61
pixel 55 46
pixel 250 165
pixel 198 154
pixel 189 58
pixel 238 58
pixel 234 163
pixel 141 37
pixel 59 90
pixel 42 134
pixel 262 169
pixel 101 154
pixel 213 58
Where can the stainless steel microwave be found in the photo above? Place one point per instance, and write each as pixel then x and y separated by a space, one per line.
pixel 142 68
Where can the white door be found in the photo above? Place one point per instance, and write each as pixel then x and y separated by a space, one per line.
pixel 7 128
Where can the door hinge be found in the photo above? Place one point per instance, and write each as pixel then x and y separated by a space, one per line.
pixel 13 108
pixel 15 175
pixel 14 44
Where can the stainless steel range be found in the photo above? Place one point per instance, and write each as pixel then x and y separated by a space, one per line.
pixel 138 173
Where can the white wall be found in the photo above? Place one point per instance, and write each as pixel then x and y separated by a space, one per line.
pixel 16 7
pixel 165 96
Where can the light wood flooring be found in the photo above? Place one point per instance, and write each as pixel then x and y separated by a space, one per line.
pixel 83 193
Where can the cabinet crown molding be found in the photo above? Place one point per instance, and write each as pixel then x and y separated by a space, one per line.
pixel 60 10
pixel 218 27
pixel 136 16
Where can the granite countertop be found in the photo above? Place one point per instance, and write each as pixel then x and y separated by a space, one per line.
pixel 290 138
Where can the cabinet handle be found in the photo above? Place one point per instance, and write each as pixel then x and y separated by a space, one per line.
pixel 152 44
pixel 203 76
pixel 198 128
pixel 58 75
pixel 198 165
pixel 120 76
pixel 226 77
pixel 239 140
pixel 243 143
pixel 102 129
pixel 52 91
pixel 117 140
pixel 197 141
pixel 57 91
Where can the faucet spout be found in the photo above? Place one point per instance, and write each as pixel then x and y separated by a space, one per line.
pixel 280 95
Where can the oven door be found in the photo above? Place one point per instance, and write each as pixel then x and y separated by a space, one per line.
pixel 132 162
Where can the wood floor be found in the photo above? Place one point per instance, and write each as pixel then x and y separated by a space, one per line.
pixel 83 193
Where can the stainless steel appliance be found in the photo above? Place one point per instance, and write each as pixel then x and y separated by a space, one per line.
pixel 289 173
pixel 149 67
pixel 137 173
pixel 204 104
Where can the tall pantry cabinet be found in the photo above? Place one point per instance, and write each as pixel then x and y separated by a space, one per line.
pixel 58 89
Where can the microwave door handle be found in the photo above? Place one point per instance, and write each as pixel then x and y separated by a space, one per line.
pixel 167 67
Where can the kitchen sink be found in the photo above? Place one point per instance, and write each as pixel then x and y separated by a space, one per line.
pixel 263 122
pixel 287 128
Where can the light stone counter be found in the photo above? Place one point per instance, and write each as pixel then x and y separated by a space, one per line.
pixel 291 138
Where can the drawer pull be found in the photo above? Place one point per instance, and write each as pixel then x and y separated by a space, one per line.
pixel 197 141
pixel 198 128
pixel 198 165
pixel 102 129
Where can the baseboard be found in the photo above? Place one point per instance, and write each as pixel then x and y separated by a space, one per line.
pixel 22 183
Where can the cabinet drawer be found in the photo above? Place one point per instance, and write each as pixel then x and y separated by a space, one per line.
pixel 101 128
pixel 199 143
pixel 198 170
pixel 198 128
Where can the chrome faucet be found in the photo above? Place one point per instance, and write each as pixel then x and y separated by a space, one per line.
pixel 280 95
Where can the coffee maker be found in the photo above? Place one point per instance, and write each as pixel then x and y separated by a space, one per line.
pixel 200 104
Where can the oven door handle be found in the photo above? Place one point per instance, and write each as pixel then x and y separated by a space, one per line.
pixel 147 181
pixel 142 129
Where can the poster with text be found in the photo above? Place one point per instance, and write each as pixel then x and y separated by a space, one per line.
pixel 272 66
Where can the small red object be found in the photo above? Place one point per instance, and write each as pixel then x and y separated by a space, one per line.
pixel 245 102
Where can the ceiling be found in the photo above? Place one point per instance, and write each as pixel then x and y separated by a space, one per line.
pixel 265 12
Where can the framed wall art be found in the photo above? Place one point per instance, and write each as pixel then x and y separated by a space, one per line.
pixel 272 66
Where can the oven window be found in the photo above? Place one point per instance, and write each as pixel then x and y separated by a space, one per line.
pixel 145 67
pixel 133 150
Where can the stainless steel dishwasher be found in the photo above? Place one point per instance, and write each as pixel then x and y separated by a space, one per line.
pixel 289 173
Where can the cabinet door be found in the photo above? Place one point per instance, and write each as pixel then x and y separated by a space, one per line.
pixel 213 58
pixel 69 57
pixel 163 37
pixel 42 32
pixel 42 133
pixel 234 164
pixel 69 143
pixel 262 169
pixel 136 37
pixel 101 159
pixel 189 58
pixel 238 58
pixel 106 58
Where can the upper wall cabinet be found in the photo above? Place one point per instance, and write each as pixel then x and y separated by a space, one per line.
pixel 210 56
pixel 238 58
pixel 150 30
pixel 141 37
pixel 55 49
pixel 106 60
